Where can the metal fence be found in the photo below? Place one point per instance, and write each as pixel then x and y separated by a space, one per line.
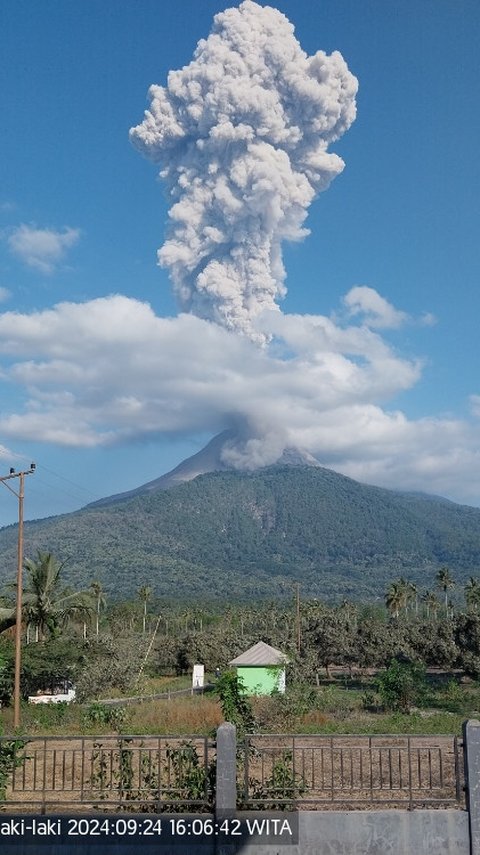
pixel 107 772
pixel 170 773
pixel 358 771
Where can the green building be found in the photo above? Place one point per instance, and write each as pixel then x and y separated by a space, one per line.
pixel 261 669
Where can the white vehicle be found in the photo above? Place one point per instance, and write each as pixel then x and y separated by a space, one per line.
pixel 62 693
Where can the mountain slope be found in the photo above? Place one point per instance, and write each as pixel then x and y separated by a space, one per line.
pixel 208 459
pixel 228 534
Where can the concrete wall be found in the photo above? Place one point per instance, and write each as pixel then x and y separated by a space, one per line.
pixel 378 832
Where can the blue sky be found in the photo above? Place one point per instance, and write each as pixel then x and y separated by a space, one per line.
pixel 82 215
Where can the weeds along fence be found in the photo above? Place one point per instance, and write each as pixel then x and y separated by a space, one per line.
pixel 155 773
pixel 172 774
pixel 158 696
pixel 356 771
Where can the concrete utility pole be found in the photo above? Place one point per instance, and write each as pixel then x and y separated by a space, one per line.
pixel 18 613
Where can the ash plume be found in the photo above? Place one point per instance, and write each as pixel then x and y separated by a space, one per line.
pixel 241 135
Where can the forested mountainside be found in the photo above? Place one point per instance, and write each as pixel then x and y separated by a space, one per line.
pixel 230 534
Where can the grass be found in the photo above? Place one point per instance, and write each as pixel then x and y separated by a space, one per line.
pixel 353 707
pixel 338 707
pixel 151 686
pixel 200 715
pixel 369 724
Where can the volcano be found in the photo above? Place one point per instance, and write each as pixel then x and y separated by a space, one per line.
pixel 208 459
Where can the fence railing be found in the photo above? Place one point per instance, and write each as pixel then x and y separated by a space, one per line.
pixel 107 772
pixel 171 773
pixel 315 771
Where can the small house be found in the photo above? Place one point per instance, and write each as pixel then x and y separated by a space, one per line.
pixel 261 669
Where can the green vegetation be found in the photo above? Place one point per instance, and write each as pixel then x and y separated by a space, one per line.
pixel 236 708
pixel 403 666
pixel 243 536
pixel 401 685
pixel 9 760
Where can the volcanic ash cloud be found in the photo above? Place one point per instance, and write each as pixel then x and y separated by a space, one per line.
pixel 242 135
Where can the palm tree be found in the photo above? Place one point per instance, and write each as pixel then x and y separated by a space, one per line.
pixel 431 602
pixel 396 597
pixel 472 594
pixel 413 592
pixel 100 601
pixel 445 582
pixel 46 605
pixel 145 592
pixel 406 589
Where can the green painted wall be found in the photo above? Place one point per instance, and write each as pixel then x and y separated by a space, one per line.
pixel 259 680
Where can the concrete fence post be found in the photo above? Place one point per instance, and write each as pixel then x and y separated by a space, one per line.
pixel 471 749
pixel 226 792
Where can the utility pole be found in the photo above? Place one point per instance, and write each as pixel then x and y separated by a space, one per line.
pixel 18 612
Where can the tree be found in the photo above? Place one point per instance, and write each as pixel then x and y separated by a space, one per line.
pixel 401 685
pixel 445 582
pixel 396 597
pixel 467 638
pixel 330 635
pixel 433 642
pixel 472 594
pixel 413 595
pixel 100 602
pixel 47 664
pixel 145 592
pixel 46 604
pixel 430 602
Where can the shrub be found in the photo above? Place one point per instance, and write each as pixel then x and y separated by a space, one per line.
pixel 105 716
pixel 401 685
pixel 236 707
pixel 283 786
pixel 9 760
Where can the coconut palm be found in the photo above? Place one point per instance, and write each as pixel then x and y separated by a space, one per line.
pixel 413 595
pixel 407 590
pixel 145 592
pixel 47 605
pixel 431 603
pixel 396 597
pixel 445 582
pixel 100 601
pixel 472 594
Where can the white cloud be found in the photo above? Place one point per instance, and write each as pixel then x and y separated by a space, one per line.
pixel 110 371
pixel 6 454
pixel 42 249
pixel 377 312
pixel 4 294
pixel 475 405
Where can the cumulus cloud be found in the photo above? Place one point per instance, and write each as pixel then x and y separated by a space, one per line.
pixel 475 405
pixel 242 136
pixel 377 311
pixel 111 371
pixel 42 249
pixel 367 304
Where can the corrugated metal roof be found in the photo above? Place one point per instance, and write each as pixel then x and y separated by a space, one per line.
pixel 260 654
